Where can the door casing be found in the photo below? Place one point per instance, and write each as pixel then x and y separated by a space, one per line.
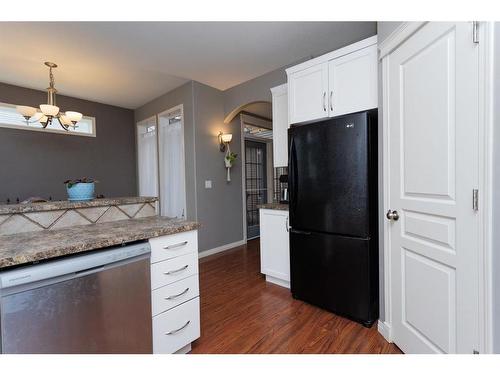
pixel 261 122
pixel 485 170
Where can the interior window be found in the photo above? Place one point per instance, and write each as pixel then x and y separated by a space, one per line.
pixel 10 118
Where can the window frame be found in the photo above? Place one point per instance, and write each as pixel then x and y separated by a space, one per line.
pixel 47 130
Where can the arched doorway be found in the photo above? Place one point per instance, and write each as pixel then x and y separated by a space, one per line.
pixel 260 108
pixel 254 121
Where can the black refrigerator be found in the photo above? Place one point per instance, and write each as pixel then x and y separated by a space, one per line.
pixel 334 215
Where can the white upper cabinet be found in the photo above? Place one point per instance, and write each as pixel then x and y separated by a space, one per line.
pixel 340 82
pixel 307 90
pixel 353 82
pixel 280 126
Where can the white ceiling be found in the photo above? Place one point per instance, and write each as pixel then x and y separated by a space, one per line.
pixel 130 63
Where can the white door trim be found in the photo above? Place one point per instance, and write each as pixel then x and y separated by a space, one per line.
pixel 486 126
pixel 167 112
pixel 398 36
pixel 387 323
pixel 243 173
pixel 486 76
pixel 137 125
pixel 251 120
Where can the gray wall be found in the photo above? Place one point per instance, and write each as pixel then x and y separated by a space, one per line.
pixel 36 163
pixel 220 210
pixel 257 89
pixel 181 95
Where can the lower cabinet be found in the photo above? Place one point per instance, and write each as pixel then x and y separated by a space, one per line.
pixel 176 328
pixel 274 246
pixel 175 292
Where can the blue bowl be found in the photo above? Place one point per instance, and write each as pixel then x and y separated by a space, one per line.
pixel 82 191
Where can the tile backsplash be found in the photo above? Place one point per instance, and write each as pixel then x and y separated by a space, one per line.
pixel 13 223
pixel 278 186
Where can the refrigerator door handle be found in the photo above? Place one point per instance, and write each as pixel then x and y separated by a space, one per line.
pixel 292 174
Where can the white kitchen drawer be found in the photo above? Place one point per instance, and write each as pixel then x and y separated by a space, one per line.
pixel 176 328
pixel 174 294
pixel 173 245
pixel 172 270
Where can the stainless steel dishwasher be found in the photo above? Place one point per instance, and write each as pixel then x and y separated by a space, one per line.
pixel 90 303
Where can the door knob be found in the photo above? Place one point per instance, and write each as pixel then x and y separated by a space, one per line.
pixel 392 215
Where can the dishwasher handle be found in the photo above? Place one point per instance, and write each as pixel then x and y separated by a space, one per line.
pixel 89 271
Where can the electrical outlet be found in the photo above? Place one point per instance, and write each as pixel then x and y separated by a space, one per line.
pixel 208 184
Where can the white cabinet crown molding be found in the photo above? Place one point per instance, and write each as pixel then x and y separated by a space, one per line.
pixel 333 55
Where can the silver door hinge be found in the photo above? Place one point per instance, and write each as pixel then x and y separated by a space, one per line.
pixel 475 32
pixel 475 199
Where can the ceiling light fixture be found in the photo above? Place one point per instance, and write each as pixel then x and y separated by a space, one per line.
pixel 50 111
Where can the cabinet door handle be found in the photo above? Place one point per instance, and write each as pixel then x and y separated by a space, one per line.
pixel 286 225
pixel 177 295
pixel 324 101
pixel 331 100
pixel 178 329
pixel 175 245
pixel 175 271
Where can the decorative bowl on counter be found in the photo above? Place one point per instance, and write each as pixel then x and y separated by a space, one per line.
pixel 81 189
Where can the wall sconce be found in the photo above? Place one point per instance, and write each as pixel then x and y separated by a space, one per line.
pixel 224 140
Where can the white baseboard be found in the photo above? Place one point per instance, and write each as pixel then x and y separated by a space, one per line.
pixel 220 249
pixel 385 330
pixel 275 280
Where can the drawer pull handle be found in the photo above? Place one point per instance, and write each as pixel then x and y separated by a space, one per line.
pixel 175 245
pixel 177 295
pixel 175 271
pixel 178 329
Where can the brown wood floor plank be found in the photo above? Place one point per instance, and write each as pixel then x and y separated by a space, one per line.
pixel 242 313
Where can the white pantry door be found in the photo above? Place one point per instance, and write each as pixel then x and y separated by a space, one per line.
pixel 433 156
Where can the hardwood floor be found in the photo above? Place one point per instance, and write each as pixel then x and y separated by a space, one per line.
pixel 242 313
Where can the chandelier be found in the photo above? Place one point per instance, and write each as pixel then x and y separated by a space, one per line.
pixel 50 111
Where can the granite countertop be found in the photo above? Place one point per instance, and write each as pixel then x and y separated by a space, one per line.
pixel 274 206
pixel 64 205
pixel 17 249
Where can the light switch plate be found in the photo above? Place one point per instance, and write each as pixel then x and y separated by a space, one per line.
pixel 208 184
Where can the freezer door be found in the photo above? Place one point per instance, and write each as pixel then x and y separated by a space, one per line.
pixel 330 176
pixel 337 273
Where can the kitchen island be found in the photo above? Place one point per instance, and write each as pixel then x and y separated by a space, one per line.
pixel 112 286
pixel 28 247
